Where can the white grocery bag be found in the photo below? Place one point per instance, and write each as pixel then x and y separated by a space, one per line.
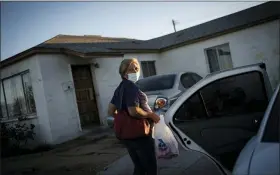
pixel 165 142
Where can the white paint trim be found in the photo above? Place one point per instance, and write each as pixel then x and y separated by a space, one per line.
pixel 101 116
pixel 75 97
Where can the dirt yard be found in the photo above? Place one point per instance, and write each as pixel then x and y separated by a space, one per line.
pixel 82 156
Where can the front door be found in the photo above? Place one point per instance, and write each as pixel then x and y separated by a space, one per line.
pixel 85 95
pixel 221 113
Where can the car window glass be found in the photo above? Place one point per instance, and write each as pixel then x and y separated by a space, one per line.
pixel 191 109
pixel 196 77
pixel 227 97
pixel 271 132
pixel 187 80
pixel 240 94
pixel 155 83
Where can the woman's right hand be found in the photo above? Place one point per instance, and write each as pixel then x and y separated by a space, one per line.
pixel 154 117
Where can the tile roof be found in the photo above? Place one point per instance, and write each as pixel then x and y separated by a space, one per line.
pixel 84 39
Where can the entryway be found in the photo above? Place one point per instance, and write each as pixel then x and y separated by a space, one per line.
pixel 85 95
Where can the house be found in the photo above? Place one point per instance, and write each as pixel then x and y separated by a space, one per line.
pixel 64 86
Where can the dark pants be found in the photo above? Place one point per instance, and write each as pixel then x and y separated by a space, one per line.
pixel 142 153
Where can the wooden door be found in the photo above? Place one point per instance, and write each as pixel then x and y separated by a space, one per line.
pixel 85 95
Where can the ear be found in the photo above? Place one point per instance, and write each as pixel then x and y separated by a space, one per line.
pixel 125 76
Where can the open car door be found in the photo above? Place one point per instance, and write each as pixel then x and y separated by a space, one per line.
pixel 219 114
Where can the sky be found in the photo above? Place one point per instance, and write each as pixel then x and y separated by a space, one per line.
pixel 26 24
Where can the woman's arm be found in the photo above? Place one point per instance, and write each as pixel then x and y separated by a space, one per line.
pixel 112 109
pixel 138 112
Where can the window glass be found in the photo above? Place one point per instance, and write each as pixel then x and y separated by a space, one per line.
pixel 187 80
pixel 192 109
pixel 226 97
pixel 3 113
pixel 235 95
pixel 213 60
pixel 154 83
pixel 196 77
pixel 148 68
pixel 271 132
pixel 19 96
pixel 30 103
pixel 219 58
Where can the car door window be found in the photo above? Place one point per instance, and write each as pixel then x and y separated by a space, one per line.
pixel 242 94
pixel 187 80
pixel 271 132
pixel 220 116
pixel 191 109
pixel 196 77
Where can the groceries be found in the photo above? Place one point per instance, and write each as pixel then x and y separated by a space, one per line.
pixel 165 142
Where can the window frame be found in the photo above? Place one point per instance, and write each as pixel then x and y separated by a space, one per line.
pixel 145 64
pixel 202 100
pixel 217 52
pixel 24 91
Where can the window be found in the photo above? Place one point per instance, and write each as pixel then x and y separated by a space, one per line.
pixel 235 95
pixel 226 97
pixel 191 109
pixel 17 98
pixel 196 77
pixel 148 68
pixel 155 83
pixel 271 132
pixel 189 79
pixel 219 58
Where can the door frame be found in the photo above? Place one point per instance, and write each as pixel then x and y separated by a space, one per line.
pixel 93 78
pixel 74 96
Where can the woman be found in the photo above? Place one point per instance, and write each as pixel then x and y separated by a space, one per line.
pixel 141 150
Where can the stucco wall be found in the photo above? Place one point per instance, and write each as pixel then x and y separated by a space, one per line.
pixel 107 79
pixel 249 46
pixel 40 120
pixel 61 102
pixel 253 45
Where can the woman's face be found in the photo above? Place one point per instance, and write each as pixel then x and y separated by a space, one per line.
pixel 133 68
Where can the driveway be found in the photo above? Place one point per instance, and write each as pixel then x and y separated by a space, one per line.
pixel 188 162
pixel 99 154
pixel 84 156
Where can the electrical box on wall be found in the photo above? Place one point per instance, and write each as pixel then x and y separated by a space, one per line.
pixel 67 86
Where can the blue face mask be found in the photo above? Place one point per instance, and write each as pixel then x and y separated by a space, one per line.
pixel 134 76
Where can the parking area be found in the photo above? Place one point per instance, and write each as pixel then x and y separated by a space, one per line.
pixel 99 154
pixel 188 162
pixel 85 155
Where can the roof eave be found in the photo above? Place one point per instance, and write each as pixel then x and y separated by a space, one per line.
pixel 39 50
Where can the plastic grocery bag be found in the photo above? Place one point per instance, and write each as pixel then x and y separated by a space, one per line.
pixel 165 142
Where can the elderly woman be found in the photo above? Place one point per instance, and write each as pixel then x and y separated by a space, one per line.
pixel 135 102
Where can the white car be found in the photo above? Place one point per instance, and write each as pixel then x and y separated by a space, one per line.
pixel 227 116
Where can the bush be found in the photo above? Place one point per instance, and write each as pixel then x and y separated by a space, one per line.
pixel 14 137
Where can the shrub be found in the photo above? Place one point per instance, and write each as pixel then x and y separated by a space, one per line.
pixel 14 136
